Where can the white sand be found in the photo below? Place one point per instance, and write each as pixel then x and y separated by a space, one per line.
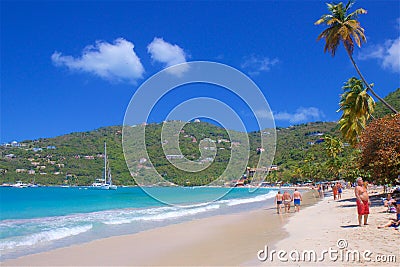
pixel 319 228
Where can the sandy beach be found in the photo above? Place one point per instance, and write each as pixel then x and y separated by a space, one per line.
pixel 236 239
pixel 333 224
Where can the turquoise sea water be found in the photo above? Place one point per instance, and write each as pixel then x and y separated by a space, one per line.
pixel 38 219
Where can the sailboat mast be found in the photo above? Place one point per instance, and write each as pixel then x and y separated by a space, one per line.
pixel 105 162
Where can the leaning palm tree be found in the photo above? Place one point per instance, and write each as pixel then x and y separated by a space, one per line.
pixel 357 107
pixel 345 28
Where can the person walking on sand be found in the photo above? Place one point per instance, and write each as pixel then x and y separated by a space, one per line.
pixel 320 191
pixel 362 200
pixel 296 199
pixel 339 190
pixel 334 191
pixel 286 201
pixel 278 199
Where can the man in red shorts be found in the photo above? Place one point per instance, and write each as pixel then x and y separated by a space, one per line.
pixel 362 200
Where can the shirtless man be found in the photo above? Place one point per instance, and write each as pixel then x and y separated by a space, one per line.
pixel 286 201
pixel 362 200
pixel 278 199
pixel 296 199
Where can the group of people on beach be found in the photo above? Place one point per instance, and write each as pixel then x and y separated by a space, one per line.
pixel 337 189
pixel 362 200
pixel 286 199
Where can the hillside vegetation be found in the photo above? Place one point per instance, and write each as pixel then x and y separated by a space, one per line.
pixel 393 99
pixel 77 158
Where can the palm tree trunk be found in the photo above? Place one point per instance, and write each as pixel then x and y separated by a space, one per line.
pixel 369 87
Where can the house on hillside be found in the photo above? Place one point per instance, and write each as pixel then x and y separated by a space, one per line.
pixel 15 144
pixel 174 156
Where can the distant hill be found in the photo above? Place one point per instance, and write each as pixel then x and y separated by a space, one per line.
pixel 393 99
pixel 77 158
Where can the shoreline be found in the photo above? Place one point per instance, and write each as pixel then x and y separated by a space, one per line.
pixel 225 239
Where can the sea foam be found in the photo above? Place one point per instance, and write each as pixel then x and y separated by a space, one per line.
pixel 44 236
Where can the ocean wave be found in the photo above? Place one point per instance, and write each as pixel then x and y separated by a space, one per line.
pixel 37 231
pixel 239 201
pixel 177 213
pixel 44 236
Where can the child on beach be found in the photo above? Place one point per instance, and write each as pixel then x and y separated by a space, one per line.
pixel 390 203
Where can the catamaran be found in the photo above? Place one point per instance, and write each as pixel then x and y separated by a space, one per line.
pixel 105 183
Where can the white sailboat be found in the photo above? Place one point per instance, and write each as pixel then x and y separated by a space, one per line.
pixel 106 182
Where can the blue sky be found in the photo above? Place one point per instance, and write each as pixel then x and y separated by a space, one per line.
pixel 74 66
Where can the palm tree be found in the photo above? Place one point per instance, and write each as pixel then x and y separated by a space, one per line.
pixel 345 28
pixel 357 107
pixel 333 147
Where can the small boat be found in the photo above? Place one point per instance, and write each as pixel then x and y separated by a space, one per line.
pixel 105 183
pixel 20 184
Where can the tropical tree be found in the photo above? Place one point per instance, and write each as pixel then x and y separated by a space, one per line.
pixel 343 27
pixel 380 149
pixel 357 107
pixel 333 146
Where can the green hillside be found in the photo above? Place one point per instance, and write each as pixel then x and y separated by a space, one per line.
pixel 393 99
pixel 77 158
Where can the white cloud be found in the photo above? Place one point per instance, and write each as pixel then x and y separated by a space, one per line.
pixel 388 54
pixel 113 62
pixel 263 114
pixel 254 65
pixel 169 55
pixel 301 115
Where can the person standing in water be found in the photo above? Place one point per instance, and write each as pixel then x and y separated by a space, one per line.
pixel 286 201
pixel 278 199
pixel 296 199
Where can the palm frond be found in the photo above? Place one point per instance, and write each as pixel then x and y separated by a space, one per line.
pixel 343 27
